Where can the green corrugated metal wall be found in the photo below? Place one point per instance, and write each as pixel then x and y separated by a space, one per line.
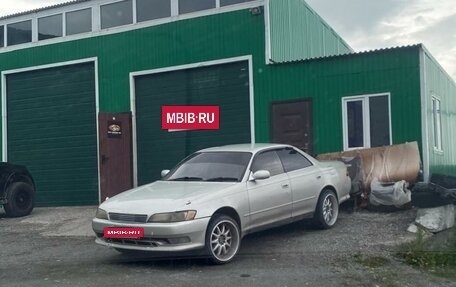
pixel 437 83
pixel 326 81
pixel 236 34
pixel 298 33
pixel 195 40
pixel 188 41
pixel 240 33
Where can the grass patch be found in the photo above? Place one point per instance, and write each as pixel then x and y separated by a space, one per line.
pixel 436 254
pixel 371 261
pixel 426 253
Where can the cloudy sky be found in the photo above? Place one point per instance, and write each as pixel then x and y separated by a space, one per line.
pixel 365 24
pixel 373 24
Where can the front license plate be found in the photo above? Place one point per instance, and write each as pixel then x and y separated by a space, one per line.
pixel 123 232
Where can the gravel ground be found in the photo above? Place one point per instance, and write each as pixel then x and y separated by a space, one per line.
pixel 54 247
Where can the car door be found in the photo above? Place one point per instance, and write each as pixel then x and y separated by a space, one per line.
pixel 270 199
pixel 305 180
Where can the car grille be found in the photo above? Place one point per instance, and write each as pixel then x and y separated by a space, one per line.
pixel 138 218
pixel 151 242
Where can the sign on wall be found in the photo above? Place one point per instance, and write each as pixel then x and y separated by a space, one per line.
pixel 176 118
pixel 114 129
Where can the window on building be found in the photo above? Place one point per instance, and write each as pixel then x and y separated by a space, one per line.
pixel 379 121
pixel 366 121
pixel 437 124
pixel 50 27
pixel 231 2
pixel 19 33
pixel 79 21
pixel 152 9
pixel 187 6
pixel 2 36
pixel 355 123
pixel 116 14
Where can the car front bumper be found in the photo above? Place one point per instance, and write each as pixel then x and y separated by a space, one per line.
pixel 158 237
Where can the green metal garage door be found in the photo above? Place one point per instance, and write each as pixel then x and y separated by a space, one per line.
pixel 225 85
pixel 52 130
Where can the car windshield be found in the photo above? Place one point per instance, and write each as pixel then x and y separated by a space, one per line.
pixel 212 166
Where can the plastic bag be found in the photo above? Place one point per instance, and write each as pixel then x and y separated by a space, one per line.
pixel 389 194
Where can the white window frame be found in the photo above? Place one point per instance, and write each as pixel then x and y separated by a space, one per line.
pixel 133 13
pixel 366 119
pixel 34 26
pixel 437 124
pixel 38 26
pixel 92 18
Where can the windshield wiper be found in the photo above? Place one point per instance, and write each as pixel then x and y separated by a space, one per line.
pixel 222 179
pixel 187 178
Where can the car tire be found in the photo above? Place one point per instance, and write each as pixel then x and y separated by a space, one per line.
pixel 20 199
pixel 327 210
pixel 223 239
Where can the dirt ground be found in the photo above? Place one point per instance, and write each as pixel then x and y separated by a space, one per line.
pixel 55 247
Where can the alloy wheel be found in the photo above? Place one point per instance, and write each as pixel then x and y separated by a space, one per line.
pixel 330 209
pixel 224 240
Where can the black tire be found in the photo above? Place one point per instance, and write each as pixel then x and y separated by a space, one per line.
pixel 20 199
pixel 223 239
pixel 327 210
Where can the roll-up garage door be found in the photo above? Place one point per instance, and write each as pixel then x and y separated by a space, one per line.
pixel 51 129
pixel 225 85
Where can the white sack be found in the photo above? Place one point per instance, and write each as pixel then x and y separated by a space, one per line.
pixel 389 194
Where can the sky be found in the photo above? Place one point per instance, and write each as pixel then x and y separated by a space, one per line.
pixel 373 24
pixel 364 24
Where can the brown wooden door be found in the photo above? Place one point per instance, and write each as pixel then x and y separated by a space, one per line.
pixel 116 168
pixel 291 123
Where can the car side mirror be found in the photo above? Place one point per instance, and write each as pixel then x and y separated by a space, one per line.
pixel 261 174
pixel 164 172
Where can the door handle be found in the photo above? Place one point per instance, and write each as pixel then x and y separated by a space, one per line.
pixel 285 185
pixel 318 176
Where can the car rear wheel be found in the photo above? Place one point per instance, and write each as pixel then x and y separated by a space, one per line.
pixel 20 199
pixel 222 239
pixel 327 210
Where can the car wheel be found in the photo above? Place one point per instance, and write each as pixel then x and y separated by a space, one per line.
pixel 20 199
pixel 222 239
pixel 327 210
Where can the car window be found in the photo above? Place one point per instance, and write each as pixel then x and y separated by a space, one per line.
pixel 269 161
pixel 212 166
pixel 293 160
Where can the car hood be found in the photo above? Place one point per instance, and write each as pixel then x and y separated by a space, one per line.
pixel 163 196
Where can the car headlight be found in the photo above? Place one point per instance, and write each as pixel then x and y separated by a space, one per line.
pixel 101 214
pixel 173 216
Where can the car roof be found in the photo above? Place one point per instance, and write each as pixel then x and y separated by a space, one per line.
pixel 253 148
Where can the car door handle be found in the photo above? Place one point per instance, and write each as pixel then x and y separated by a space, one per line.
pixel 318 177
pixel 285 185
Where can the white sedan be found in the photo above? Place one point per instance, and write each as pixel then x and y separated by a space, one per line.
pixel 216 196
